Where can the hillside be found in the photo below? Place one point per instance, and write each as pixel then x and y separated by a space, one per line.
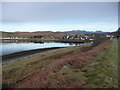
pixel 84 32
pixel 52 35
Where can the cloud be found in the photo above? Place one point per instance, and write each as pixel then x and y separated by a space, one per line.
pixel 29 12
pixel 59 16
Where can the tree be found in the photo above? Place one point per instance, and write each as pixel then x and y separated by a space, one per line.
pixel 38 36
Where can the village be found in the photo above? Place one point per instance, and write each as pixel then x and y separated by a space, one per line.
pixel 61 36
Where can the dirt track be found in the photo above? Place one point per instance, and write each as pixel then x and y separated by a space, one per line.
pixel 39 79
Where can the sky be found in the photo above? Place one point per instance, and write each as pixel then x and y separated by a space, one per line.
pixel 59 16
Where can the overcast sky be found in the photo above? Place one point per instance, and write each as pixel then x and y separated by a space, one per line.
pixel 59 16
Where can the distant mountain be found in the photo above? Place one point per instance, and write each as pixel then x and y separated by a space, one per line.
pixel 84 32
pixel 77 31
pixel 43 31
pixel 99 31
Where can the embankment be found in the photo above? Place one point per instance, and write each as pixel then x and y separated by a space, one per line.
pixel 71 67
pixel 20 55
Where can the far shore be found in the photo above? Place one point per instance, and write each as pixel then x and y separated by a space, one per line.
pixel 24 54
pixel 48 40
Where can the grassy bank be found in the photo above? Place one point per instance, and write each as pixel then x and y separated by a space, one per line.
pixel 18 70
pixel 23 54
pixel 105 73
pixel 100 71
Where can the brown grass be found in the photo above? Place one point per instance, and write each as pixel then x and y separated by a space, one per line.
pixel 74 58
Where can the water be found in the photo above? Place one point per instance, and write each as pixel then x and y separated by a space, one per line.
pixel 9 48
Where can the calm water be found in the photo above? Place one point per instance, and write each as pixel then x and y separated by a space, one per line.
pixel 9 48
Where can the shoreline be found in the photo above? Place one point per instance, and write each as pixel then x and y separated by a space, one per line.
pixel 48 40
pixel 6 59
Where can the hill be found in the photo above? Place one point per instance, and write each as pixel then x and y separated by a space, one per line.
pixel 77 31
pixel 84 32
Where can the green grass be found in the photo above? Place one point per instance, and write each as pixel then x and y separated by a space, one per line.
pixel 105 73
pixel 99 73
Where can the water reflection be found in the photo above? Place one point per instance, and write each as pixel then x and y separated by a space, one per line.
pixel 13 46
